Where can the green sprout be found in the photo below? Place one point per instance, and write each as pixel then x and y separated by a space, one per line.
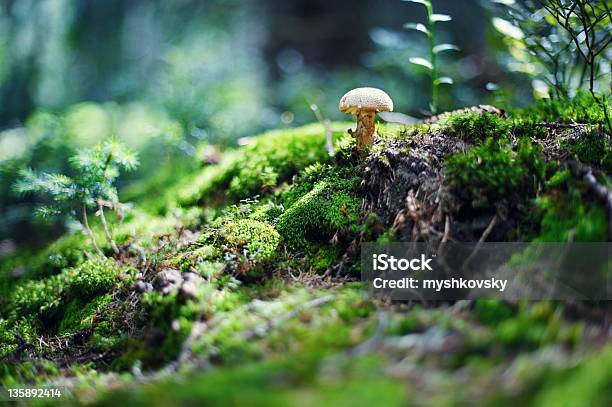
pixel 431 63
pixel 92 187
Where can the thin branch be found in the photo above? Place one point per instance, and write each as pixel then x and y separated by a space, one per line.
pixel 109 237
pixel 447 229
pixel 329 144
pixel 88 230
pixel 481 241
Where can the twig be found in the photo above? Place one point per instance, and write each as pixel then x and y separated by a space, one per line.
pixel 446 229
pixel 482 239
pixel 487 231
pixel 329 145
pixel 109 237
pixel 88 230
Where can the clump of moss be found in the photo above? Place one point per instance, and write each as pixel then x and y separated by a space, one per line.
pixel 272 158
pixel 238 238
pixel 331 205
pixel 191 257
pixel 267 212
pixel 494 171
pixel 161 310
pixel 564 211
pixel 24 328
pixel 79 314
pixel 259 239
pixel 492 312
pixel 63 303
pixel 476 127
pixel 67 251
pixel 304 183
pixel 324 256
pixel 43 297
pixel 594 149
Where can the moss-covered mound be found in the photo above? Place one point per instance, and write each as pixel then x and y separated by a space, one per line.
pixel 248 278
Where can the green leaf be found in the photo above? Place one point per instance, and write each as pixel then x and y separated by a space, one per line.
pixel 445 47
pixel 426 3
pixel 440 17
pixel 445 80
pixel 417 26
pixel 422 62
pixel 507 28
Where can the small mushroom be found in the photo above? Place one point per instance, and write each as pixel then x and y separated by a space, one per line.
pixel 365 103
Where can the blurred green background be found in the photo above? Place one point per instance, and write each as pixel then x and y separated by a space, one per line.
pixel 223 69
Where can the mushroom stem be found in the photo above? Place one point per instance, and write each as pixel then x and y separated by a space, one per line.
pixel 365 129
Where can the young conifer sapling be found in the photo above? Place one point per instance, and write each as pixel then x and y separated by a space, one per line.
pixel 90 188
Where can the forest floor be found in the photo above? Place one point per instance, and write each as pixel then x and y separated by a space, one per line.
pixel 239 284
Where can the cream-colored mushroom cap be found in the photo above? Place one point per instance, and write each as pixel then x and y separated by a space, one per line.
pixel 365 100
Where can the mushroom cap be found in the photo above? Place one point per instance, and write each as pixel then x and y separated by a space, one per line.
pixel 365 100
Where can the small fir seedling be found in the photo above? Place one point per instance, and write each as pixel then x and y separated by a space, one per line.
pixel 431 62
pixel 91 188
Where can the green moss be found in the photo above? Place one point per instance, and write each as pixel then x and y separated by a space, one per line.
pixel 106 336
pixel 258 238
pixel 537 324
pixel 585 383
pixel 289 380
pixel 526 128
pixel 559 179
pixel 594 149
pixel 580 109
pixel 12 332
pixel 78 315
pixel 144 229
pixel 67 251
pixel 32 372
pixel 268 212
pixel 476 127
pixel 161 310
pixel 272 158
pixel 191 257
pixel 60 304
pixel 405 324
pixel 324 257
pixel 492 312
pixel 43 297
pixel 331 205
pixel 566 211
pixel 238 337
pixel 494 171
pixel 562 215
